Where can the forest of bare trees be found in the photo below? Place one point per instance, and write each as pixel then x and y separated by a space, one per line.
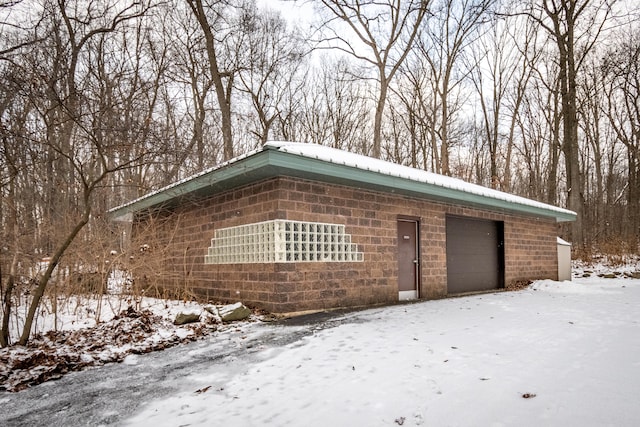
pixel 102 102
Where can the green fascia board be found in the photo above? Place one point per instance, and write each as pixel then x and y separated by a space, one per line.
pixel 217 179
pixel 340 174
pixel 270 162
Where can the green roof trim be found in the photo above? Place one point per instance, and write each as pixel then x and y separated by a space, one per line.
pixel 271 161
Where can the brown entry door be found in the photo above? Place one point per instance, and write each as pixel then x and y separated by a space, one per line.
pixel 408 262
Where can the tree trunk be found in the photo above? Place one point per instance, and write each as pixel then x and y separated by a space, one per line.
pixel 53 263
pixel 634 198
pixel 5 339
pixel 444 135
pixel 570 133
pixel 224 100
pixel 554 145
pixel 377 125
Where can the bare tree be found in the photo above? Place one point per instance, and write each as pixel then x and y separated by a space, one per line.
pixel 271 57
pixel 537 147
pixel 500 70
pixel 191 70
pixel 410 109
pixel 621 69
pixel 445 38
pixel 292 107
pixel 15 23
pixel 336 109
pixel 63 152
pixel 382 35
pixel 211 18
pixel 574 26
pixel 11 163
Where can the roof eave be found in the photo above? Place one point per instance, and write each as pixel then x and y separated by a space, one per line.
pixel 335 172
pixel 217 177
pixel 277 163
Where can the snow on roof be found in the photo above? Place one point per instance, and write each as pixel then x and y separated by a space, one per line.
pixel 384 167
pixel 345 158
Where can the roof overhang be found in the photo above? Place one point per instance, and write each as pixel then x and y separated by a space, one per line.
pixel 270 162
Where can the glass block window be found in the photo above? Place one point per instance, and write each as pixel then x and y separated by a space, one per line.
pixel 282 241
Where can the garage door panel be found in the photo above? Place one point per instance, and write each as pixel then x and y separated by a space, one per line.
pixel 474 255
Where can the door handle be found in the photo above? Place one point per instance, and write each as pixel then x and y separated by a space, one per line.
pixel 415 261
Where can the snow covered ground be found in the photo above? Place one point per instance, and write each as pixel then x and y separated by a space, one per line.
pixel 85 331
pixel 554 354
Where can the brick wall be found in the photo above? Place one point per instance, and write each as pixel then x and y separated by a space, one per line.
pixel 185 232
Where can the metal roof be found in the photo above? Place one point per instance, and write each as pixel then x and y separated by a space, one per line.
pixel 320 163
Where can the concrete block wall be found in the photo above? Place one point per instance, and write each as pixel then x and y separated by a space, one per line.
pixel 371 219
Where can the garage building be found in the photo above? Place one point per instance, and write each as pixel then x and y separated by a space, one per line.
pixel 293 227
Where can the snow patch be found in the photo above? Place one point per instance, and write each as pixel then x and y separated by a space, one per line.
pixel 572 287
pixel 131 359
pixel 558 353
pixel 182 333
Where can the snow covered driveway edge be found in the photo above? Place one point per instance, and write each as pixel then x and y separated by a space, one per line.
pixel 555 354
pixel 57 352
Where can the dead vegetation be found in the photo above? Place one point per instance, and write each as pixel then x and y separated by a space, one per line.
pixel 518 285
pixel 55 353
